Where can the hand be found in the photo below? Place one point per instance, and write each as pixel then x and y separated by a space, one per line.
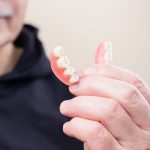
pixel 111 110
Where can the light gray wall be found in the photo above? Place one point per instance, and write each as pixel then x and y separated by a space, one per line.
pixel 79 25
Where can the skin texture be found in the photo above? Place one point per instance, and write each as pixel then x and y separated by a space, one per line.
pixel 111 110
pixel 10 27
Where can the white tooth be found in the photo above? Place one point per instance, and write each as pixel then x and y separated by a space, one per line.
pixel 108 45
pixel 74 78
pixel 108 57
pixel 58 51
pixel 63 62
pixel 69 71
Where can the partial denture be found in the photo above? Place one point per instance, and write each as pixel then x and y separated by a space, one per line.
pixel 108 54
pixel 63 62
pixel 74 78
pixel 69 71
pixel 58 51
pixel 104 53
pixel 62 68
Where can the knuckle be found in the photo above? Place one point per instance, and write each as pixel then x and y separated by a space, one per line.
pixel 113 110
pixel 97 132
pixel 130 95
pixel 138 82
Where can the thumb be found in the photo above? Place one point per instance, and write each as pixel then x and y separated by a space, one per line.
pixel 86 147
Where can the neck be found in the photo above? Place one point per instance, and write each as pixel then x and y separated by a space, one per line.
pixel 9 56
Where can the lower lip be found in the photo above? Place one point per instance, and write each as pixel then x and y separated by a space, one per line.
pixel 2 20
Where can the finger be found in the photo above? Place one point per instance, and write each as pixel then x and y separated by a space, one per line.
pixel 86 147
pixel 126 94
pixel 91 132
pixel 118 73
pixel 105 110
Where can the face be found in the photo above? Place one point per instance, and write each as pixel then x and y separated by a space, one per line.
pixel 11 19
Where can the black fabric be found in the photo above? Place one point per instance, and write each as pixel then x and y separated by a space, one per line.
pixel 30 96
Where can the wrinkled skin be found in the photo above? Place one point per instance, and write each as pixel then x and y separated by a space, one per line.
pixel 111 110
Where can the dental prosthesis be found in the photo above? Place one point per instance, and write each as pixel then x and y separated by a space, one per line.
pixel 62 68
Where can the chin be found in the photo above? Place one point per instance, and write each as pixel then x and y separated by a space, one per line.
pixel 8 35
pixel 4 40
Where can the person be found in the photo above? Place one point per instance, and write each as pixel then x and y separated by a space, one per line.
pixel 109 108
pixel 30 94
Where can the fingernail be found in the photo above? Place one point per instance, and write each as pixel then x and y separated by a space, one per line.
pixel 65 126
pixel 64 107
pixel 89 70
pixel 73 87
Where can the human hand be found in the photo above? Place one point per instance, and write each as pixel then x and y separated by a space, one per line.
pixel 111 110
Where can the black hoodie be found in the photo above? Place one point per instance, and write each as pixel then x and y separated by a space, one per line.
pixel 30 96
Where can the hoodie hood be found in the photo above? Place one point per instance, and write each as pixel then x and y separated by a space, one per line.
pixel 33 62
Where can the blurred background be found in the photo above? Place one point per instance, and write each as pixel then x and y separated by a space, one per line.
pixel 79 25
